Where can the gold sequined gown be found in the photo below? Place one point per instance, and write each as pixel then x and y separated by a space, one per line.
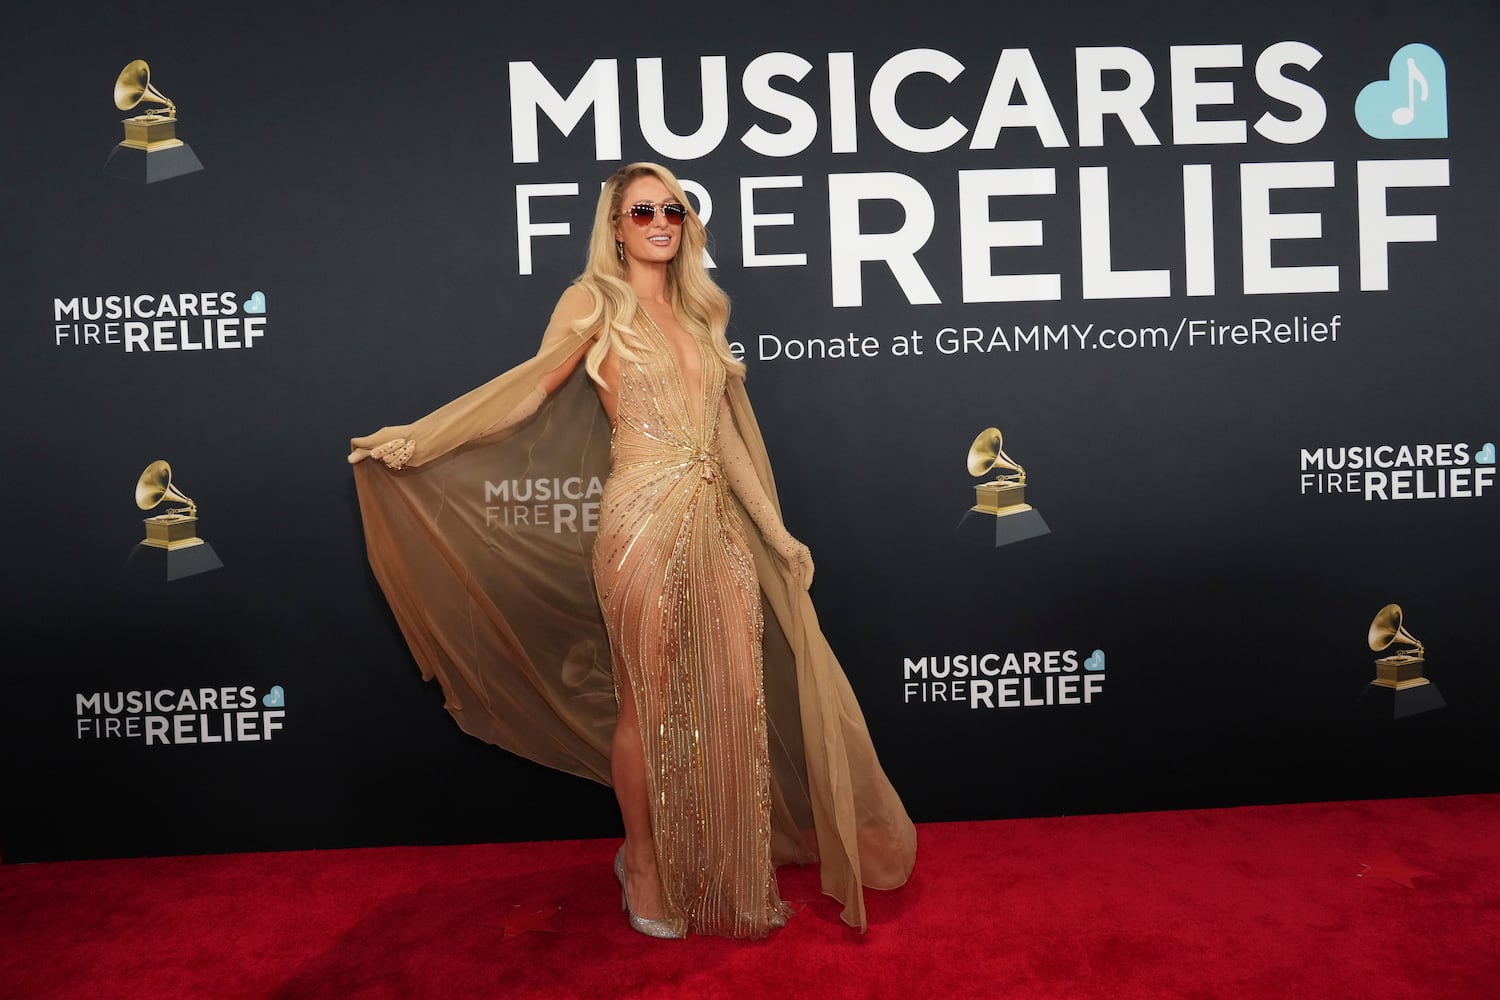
pixel 515 618
pixel 678 591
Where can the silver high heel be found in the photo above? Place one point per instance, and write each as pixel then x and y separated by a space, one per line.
pixel 651 928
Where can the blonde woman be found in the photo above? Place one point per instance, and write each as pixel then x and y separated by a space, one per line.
pixel 713 789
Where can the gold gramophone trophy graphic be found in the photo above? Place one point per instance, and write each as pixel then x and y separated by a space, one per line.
pixel 1000 514
pixel 171 549
pixel 151 150
pixel 1400 688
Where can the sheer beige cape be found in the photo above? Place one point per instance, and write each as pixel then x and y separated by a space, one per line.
pixel 505 615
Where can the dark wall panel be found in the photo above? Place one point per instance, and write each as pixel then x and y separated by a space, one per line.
pixel 1251 394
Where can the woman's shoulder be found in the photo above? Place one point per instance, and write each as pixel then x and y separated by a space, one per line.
pixel 577 301
pixel 573 317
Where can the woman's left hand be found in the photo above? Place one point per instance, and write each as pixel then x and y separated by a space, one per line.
pixel 798 558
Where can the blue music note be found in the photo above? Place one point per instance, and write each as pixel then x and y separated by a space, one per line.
pixel 1404 116
pixel 1410 103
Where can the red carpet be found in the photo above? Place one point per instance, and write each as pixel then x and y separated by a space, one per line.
pixel 1360 899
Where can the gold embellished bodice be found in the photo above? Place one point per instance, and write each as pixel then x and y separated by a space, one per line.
pixel 660 421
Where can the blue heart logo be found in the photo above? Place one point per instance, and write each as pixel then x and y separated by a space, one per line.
pixel 1486 455
pixel 256 303
pixel 1095 662
pixel 274 698
pixel 1412 103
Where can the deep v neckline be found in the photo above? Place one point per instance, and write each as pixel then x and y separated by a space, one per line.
pixel 700 420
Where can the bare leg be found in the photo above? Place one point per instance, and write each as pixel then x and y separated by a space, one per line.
pixel 627 765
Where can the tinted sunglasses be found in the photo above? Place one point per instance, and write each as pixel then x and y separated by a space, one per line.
pixel 644 213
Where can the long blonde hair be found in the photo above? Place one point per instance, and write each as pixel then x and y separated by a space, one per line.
pixel 698 302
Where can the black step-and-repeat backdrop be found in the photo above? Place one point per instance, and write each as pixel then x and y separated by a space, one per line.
pixel 1196 305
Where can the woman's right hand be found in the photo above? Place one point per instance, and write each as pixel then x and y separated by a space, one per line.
pixel 389 445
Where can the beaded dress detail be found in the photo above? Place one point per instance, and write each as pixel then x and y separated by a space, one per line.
pixel 678 590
